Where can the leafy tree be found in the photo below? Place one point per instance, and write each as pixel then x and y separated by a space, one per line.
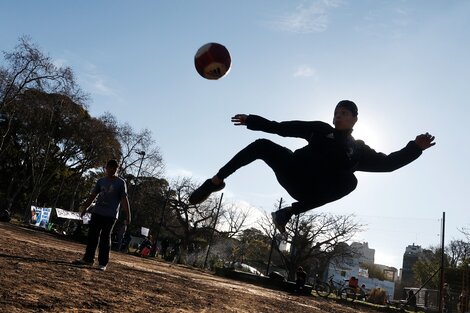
pixel 149 204
pixel 27 67
pixel 252 248
pixel 456 258
pixel 374 271
pixel 428 265
pixel 53 143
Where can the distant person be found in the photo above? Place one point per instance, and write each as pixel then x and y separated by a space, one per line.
pixel 126 240
pixel 320 172
pixel 301 278
pixel 447 299
pixel 110 193
pixel 120 236
pixel 175 252
pixel 164 247
pixel 35 216
pixel 5 215
pixel 411 299
pixel 363 292
pixel 145 247
pixel 353 282
pixel 154 249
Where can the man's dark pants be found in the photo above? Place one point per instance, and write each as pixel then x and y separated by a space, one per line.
pixel 100 229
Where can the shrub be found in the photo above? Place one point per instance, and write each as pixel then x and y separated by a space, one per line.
pixel 377 296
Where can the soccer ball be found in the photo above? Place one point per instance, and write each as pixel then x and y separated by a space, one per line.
pixel 212 61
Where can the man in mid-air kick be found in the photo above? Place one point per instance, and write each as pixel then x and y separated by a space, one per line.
pixel 323 170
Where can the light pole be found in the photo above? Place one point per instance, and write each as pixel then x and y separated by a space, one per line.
pixel 141 153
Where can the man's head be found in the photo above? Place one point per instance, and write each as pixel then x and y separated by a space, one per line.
pixel 345 115
pixel 111 167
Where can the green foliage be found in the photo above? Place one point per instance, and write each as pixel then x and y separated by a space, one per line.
pixel 253 246
pixel 51 149
pixel 374 271
pixel 427 265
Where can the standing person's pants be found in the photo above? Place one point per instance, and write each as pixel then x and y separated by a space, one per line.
pixel 100 228
pixel 311 190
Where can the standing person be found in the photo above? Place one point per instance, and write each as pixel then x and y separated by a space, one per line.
pixel 165 244
pixel 447 299
pixel 411 299
pixel 320 172
pixel 301 278
pixel 110 193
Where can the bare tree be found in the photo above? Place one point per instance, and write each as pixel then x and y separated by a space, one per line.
pixel 234 219
pixel 140 155
pixel 458 252
pixel 466 232
pixel 314 238
pixel 191 222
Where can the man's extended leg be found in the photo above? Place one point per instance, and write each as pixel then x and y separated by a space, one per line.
pixel 275 156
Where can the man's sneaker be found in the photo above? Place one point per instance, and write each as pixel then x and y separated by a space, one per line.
pixel 280 219
pixel 204 191
pixel 102 267
pixel 82 262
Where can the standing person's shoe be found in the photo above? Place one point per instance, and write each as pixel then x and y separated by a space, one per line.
pixel 281 218
pixel 204 191
pixel 82 262
pixel 102 267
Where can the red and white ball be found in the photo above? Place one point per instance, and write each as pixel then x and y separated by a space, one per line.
pixel 212 61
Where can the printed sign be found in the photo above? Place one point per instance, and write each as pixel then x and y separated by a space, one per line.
pixel 40 216
pixel 144 231
pixel 73 215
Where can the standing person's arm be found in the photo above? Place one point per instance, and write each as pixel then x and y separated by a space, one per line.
pixel 87 203
pixel 125 205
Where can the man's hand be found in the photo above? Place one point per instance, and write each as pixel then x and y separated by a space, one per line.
pixel 425 141
pixel 239 119
pixel 83 212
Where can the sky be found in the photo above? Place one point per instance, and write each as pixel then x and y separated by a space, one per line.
pixel 404 63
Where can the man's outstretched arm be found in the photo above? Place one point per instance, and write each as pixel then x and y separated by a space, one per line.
pixel 299 129
pixel 372 161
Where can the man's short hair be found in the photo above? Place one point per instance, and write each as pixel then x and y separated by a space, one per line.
pixel 349 105
pixel 112 163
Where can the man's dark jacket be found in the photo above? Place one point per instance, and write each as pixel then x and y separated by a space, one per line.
pixel 328 162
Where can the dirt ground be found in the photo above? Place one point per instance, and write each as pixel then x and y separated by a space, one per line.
pixel 36 275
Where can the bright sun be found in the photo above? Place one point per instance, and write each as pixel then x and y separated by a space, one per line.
pixel 369 134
